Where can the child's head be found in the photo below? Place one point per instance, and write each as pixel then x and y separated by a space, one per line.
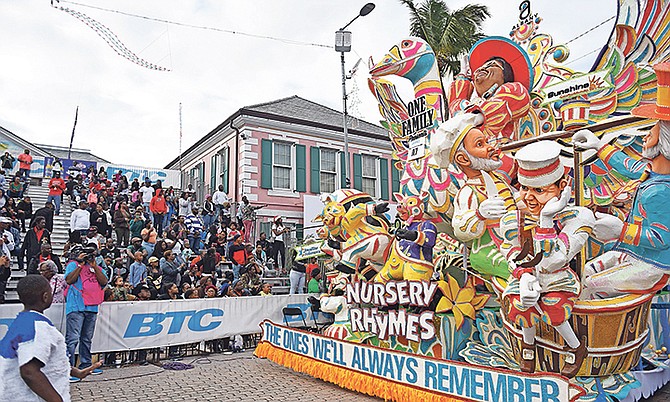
pixel 266 288
pixel 139 256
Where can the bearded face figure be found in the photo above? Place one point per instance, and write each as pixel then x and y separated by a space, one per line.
pixel 657 141
pixel 477 153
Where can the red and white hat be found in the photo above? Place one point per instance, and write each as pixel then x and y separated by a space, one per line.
pixel 539 164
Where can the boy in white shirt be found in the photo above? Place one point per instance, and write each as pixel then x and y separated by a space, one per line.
pixel 33 359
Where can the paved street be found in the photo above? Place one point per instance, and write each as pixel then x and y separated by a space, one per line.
pixel 217 377
pixel 241 377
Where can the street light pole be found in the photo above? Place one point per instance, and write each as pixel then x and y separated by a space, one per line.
pixel 342 45
pixel 344 125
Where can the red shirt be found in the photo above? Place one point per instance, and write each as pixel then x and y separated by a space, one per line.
pixel 56 186
pixel 25 161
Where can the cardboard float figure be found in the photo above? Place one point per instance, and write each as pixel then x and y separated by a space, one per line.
pixel 485 197
pixel 557 232
pixel 640 260
pixel 357 231
pixel 411 256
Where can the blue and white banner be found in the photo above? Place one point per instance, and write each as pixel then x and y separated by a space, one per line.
pixel 451 378
pixel 149 324
pixel 167 177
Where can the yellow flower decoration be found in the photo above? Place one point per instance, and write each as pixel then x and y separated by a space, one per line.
pixel 461 301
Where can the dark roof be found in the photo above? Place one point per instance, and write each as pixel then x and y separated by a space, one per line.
pixel 77 154
pixel 297 110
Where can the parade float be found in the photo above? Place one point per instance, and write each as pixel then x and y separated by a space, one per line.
pixel 532 258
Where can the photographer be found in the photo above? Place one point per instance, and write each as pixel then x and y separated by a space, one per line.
pixel 85 293
pixel 6 247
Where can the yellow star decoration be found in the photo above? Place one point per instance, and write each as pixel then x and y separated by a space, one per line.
pixel 461 301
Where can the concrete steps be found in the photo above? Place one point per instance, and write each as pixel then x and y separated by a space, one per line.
pixel 38 196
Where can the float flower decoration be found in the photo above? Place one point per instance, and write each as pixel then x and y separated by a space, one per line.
pixel 461 301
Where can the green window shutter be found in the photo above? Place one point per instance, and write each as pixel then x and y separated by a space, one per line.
pixel 266 227
pixel 201 167
pixel 343 167
pixel 315 170
pixel 384 178
pixel 358 178
pixel 226 164
pixel 212 172
pixel 395 178
pixel 266 163
pixel 301 168
pixel 299 231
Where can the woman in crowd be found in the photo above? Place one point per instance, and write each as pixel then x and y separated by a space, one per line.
pixel 210 291
pixel 49 270
pixel 121 225
pixel 297 275
pixel 15 188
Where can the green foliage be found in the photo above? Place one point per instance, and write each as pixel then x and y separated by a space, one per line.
pixel 450 33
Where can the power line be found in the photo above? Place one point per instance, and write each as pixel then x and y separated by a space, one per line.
pixel 581 57
pixel 183 24
pixel 589 30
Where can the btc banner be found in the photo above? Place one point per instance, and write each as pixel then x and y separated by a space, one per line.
pixel 398 375
pixel 149 324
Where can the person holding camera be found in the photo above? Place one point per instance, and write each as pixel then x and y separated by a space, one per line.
pixel 85 293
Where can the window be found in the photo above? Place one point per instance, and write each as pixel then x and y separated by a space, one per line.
pixel 328 172
pixel 369 174
pixel 281 166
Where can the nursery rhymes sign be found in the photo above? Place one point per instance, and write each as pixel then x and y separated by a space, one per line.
pixel 442 377
pixel 414 327
pixel 421 118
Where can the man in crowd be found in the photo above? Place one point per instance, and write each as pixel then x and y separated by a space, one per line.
pixel 195 227
pixel 45 254
pixel 134 247
pixel 47 211
pixel 110 250
pixel 56 187
pixel 25 161
pixel 147 194
pixel 34 239
pixel 219 198
pixel 34 363
pixel 87 280
pixel 80 220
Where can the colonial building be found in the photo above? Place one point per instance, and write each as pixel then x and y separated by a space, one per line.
pixel 286 153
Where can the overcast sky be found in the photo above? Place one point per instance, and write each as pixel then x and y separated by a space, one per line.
pixel 51 62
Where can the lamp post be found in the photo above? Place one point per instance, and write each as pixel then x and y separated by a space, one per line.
pixel 343 45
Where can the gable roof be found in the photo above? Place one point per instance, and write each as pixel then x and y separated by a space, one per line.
pixel 77 154
pixel 295 107
pixel 297 110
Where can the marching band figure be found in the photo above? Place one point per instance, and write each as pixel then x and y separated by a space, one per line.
pixel 557 232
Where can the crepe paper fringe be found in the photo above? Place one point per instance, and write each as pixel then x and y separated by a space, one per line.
pixel 349 379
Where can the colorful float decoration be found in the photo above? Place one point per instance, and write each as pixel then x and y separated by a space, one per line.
pixel 533 252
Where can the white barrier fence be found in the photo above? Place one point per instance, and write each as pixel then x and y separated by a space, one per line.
pixel 148 324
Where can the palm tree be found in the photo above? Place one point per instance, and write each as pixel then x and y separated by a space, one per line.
pixel 450 33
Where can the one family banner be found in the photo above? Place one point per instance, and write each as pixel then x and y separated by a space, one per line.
pixel 149 324
pixel 326 356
